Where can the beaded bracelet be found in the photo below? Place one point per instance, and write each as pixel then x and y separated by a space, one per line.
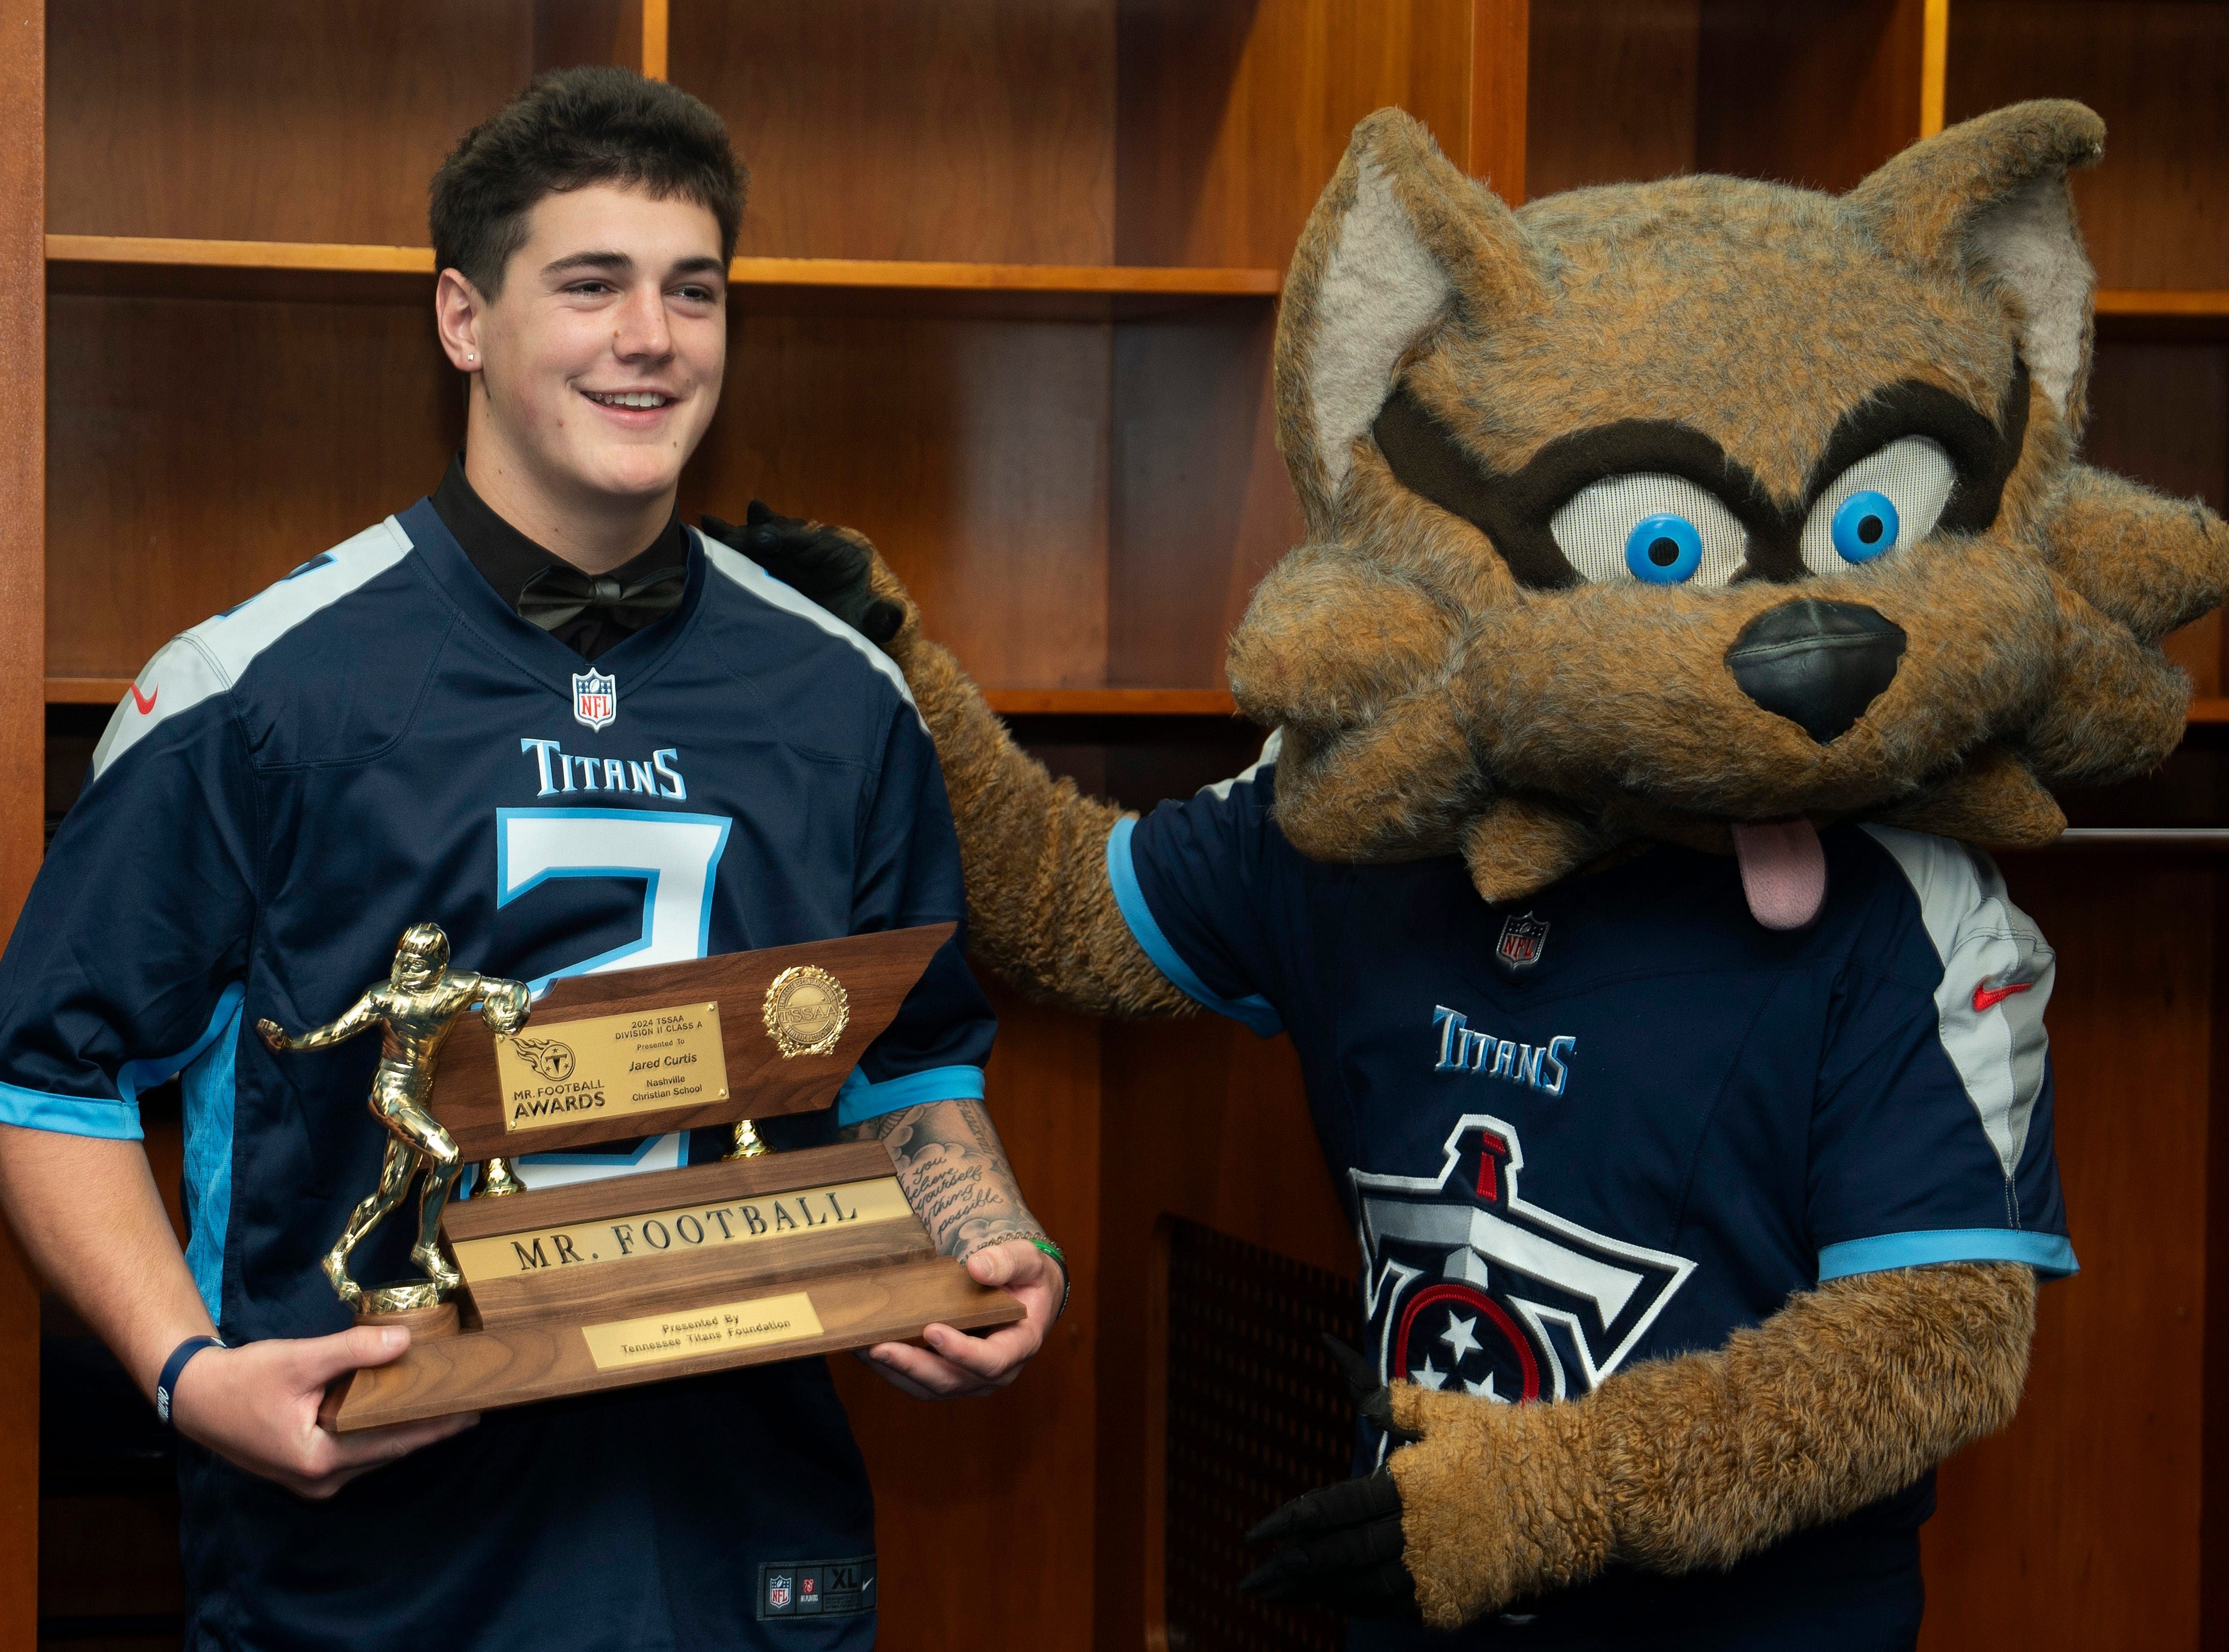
pixel 1046 1245
pixel 1066 1283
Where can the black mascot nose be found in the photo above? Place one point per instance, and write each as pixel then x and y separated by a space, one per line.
pixel 1819 664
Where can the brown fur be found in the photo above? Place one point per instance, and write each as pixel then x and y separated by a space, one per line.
pixel 1432 702
pixel 1850 1393
pixel 1032 850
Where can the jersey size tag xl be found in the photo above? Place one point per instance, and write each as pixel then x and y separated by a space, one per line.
pixel 816 1588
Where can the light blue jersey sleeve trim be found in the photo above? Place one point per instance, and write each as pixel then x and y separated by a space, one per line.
pixel 2049 1254
pixel 859 1101
pixel 114 1121
pixel 1254 1011
pixel 150 1070
pixel 118 1120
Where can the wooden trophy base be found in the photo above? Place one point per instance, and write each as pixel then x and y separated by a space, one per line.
pixel 636 1279
pixel 440 1320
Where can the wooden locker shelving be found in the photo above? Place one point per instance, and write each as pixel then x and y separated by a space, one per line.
pixel 1005 301
pixel 157 265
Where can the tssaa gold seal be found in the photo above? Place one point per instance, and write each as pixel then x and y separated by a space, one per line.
pixel 806 1010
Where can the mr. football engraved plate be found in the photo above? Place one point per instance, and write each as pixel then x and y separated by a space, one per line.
pixel 647 1061
pixel 806 1010
pixel 705 1225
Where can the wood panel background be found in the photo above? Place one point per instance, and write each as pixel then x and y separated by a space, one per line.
pixel 2079 1526
pixel 311 421
pixel 22 757
pixel 974 131
pixel 1207 1122
pixel 263 120
pixel 1200 507
pixel 2156 70
pixel 2159 411
pixel 1231 116
pixel 984 1507
pixel 1623 91
pixel 974 453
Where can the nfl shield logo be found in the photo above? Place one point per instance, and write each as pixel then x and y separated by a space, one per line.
pixel 778 1591
pixel 596 698
pixel 1522 937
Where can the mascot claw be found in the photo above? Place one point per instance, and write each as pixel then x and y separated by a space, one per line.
pixel 1343 1549
pixel 1479 1505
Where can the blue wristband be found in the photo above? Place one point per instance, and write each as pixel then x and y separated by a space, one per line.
pixel 175 1364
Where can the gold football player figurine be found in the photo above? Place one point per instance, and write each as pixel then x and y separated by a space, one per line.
pixel 417 1005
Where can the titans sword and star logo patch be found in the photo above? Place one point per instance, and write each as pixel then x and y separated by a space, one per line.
pixel 596 698
pixel 1471 1289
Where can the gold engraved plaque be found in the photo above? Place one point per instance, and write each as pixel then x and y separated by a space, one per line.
pixel 681 1231
pixel 609 1066
pixel 806 1010
pixel 690 1333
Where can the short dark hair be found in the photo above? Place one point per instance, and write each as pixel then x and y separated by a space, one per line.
pixel 569 129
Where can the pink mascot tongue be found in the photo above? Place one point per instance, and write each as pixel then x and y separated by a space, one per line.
pixel 1783 871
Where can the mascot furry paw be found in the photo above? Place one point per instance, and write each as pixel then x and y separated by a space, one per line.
pixel 1692 566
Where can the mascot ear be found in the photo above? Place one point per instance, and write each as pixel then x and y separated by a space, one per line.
pixel 1988 198
pixel 1399 241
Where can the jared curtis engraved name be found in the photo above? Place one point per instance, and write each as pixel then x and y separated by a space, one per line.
pixel 567 1073
pixel 683 1229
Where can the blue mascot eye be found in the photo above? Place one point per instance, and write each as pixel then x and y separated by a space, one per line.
pixel 1865 527
pixel 1664 549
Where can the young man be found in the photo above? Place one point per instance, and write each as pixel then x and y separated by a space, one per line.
pixel 536 710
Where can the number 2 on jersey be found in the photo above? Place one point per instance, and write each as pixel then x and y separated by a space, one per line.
pixel 677 856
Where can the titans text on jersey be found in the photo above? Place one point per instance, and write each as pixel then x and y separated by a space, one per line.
pixel 1463 1048
pixel 378 740
pixel 1628 1121
pixel 656 776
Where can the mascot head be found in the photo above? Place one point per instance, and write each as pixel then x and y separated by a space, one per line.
pixel 1709 511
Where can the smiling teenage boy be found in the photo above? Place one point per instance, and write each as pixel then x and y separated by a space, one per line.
pixel 535 708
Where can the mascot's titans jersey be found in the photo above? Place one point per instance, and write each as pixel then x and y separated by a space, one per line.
pixel 1624 1120
pixel 378 740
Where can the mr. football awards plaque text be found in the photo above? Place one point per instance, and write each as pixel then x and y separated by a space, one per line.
pixel 610 1067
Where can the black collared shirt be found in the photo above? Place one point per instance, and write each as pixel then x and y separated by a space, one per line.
pixel 506 559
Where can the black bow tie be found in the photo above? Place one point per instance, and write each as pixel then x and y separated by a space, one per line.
pixel 558 594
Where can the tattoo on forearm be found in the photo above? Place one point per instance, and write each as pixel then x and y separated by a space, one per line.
pixel 954 1168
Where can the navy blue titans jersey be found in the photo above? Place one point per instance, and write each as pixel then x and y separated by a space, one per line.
pixel 378 740
pixel 1622 1120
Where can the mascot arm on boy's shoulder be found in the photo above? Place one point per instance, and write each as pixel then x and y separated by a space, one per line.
pixel 1041 906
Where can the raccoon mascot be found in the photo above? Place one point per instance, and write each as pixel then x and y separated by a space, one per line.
pixel 1694 570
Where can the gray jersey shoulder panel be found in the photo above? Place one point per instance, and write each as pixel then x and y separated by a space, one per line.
pixel 740 571
pixel 1994 1037
pixel 198 664
pixel 1269 749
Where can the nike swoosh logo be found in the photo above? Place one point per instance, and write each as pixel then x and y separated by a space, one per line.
pixel 145 701
pixel 1988 998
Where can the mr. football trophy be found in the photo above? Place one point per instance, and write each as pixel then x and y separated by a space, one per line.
pixel 416 1005
pixel 751 1257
